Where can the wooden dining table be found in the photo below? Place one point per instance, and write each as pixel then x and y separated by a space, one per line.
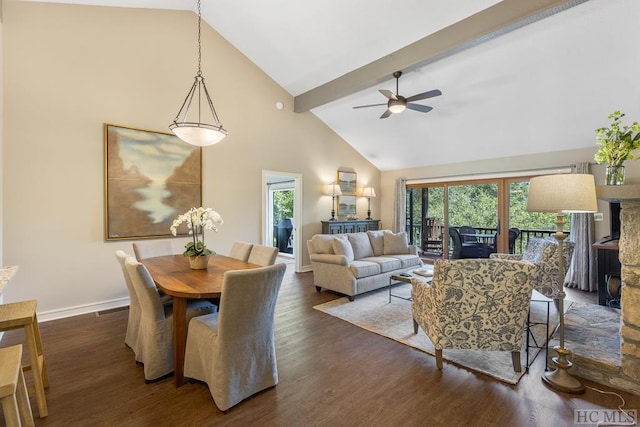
pixel 172 274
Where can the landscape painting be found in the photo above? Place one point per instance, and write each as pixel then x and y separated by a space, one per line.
pixel 347 206
pixel 150 179
pixel 348 182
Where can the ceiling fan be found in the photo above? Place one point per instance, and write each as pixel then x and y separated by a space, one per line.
pixel 398 103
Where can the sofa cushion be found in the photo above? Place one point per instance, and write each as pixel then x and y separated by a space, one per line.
pixel 386 263
pixel 408 260
pixel 361 268
pixel 376 237
pixel 360 244
pixel 322 243
pixel 395 243
pixel 341 246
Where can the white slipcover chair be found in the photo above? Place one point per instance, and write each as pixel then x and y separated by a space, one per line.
pixel 241 250
pixel 263 255
pixel 152 248
pixel 474 304
pixel 233 351
pixel 155 339
pixel 133 323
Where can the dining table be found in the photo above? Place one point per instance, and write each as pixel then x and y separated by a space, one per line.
pixel 173 275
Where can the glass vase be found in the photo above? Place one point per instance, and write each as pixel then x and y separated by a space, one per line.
pixel 615 175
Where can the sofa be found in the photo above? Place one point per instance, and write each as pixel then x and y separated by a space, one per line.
pixel 355 263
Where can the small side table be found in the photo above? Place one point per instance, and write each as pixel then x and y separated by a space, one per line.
pixel 538 298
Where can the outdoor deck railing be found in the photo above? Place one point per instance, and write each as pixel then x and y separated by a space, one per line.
pixel 415 236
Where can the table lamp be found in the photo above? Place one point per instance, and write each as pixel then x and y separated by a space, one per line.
pixel 333 190
pixel 564 193
pixel 369 192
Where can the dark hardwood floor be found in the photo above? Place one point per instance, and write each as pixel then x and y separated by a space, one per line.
pixel 331 373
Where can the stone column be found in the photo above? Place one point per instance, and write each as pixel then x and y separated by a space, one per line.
pixel 629 244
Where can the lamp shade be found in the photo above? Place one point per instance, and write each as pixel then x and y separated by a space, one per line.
pixel 334 190
pixel 368 192
pixel 562 193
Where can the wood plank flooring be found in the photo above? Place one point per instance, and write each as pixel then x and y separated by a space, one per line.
pixel 331 373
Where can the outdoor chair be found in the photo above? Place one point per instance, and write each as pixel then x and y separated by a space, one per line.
pixel 478 304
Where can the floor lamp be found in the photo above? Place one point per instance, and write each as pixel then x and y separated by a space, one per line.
pixel 333 190
pixel 566 193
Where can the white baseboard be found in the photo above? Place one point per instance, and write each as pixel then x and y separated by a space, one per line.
pixel 61 313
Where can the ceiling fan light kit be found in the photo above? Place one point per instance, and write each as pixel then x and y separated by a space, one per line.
pixel 398 103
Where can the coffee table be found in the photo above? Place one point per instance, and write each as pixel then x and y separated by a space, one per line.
pixel 405 277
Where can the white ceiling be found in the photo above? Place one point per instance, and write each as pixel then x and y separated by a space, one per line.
pixel 499 97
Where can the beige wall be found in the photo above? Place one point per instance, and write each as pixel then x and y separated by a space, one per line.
pixel 68 69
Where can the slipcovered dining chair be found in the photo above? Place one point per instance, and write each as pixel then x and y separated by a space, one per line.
pixel 241 250
pixel 474 304
pixel 155 336
pixel 133 323
pixel 263 255
pixel 233 351
pixel 152 248
pixel 542 252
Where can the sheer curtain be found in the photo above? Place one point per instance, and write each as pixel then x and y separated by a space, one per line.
pixel 582 271
pixel 400 206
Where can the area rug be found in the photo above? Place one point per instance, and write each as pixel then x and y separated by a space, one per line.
pixel 374 312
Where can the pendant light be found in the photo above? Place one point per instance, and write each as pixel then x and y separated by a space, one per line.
pixel 197 131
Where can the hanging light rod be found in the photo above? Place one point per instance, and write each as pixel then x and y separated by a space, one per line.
pixel 199 133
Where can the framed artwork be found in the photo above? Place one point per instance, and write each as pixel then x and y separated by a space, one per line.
pixel 347 206
pixel 150 179
pixel 347 182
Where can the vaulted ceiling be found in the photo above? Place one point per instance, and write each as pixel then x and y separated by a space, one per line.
pixel 511 72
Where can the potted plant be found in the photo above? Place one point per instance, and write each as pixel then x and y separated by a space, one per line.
pixel 197 220
pixel 615 145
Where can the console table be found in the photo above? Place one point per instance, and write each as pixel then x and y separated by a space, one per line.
pixel 350 226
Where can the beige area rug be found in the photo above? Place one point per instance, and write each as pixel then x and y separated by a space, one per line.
pixel 374 313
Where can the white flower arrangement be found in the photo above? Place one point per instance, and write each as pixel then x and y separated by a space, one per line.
pixel 197 220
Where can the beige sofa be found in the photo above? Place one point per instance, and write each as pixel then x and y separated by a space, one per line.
pixel 355 263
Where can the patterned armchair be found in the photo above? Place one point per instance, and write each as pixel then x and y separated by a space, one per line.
pixel 542 253
pixel 474 304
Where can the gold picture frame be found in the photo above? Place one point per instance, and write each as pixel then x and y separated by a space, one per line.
pixel 149 179
pixel 348 182
pixel 347 207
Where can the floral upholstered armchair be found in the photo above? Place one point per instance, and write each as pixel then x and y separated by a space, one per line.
pixel 543 254
pixel 474 304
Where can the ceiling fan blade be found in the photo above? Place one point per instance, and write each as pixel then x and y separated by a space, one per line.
pixel 424 95
pixel 385 114
pixel 388 93
pixel 418 107
pixel 370 105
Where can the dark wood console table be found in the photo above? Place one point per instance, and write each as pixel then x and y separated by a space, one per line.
pixel 608 266
pixel 349 226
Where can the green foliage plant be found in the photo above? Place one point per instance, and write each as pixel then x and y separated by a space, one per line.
pixel 617 143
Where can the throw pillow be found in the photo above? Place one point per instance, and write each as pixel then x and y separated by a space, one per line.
pixel 361 245
pixel 395 243
pixel 342 246
pixel 322 244
pixel 377 241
